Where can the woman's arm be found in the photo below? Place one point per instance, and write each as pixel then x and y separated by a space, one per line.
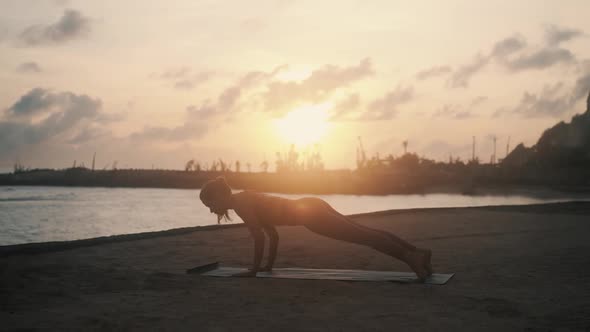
pixel 272 250
pixel 247 214
pixel 258 237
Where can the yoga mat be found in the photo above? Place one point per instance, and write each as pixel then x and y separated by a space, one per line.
pixel 214 270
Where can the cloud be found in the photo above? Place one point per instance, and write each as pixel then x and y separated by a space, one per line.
pixel 242 95
pixel 386 108
pixel 14 135
pixel 541 59
pixel 196 125
pixel 546 103
pixel 198 118
pixel 552 101
pixel 223 107
pixel 3 33
pixel 332 77
pixel 256 77
pixel 508 46
pixel 61 2
pixel 257 90
pixel 478 101
pixel 227 103
pixel 194 80
pixel 41 115
pixel 452 111
pixel 183 78
pixel 184 85
pixel 513 54
pixel 39 100
pixel 581 88
pixel 458 111
pixel 229 97
pixel 549 54
pixel 28 67
pixel 184 132
pixel 72 25
pixel 501 49
pixel 433 72
pixel 110 117
pixel 32 102
pixel 346 106
pixel 555 35
pixel 205 111
pixel 319 85
pixel 88 134
pixel 461 76
pixel 175 73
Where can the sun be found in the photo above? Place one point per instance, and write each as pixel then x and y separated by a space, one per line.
pixel 305 125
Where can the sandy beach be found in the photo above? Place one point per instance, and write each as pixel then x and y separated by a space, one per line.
pixel 517 268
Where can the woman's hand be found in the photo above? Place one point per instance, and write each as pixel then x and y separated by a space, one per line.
pixel 249 273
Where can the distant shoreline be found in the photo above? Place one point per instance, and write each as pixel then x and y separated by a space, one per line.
pixel 534 191
pixel 319 182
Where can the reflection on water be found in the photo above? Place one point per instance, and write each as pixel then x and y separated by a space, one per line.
pixel 38 214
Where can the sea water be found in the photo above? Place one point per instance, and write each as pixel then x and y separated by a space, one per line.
pixel 40 214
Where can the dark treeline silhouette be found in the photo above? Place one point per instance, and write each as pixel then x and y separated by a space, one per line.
pixel 290 161
pixel 565 145
pixel 560 158
pixel 561 155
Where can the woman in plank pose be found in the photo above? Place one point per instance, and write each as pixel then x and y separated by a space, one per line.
pixel 262 212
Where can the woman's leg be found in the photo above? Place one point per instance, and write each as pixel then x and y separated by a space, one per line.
pixel 393 237
pixel 408 246
pixel 334 225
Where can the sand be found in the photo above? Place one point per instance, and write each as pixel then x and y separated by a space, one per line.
pixel 517 268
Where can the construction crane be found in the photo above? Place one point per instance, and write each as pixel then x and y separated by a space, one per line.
pixel 361 156
pixel 473 150
pixel 494 138
pixel 507 147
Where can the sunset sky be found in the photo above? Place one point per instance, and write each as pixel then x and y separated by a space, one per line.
pixel 161 82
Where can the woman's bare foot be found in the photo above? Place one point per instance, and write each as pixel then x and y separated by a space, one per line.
pixel 417 261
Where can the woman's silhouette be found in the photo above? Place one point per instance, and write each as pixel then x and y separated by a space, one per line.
pixel 261 213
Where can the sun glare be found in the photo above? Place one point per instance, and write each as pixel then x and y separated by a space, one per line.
pixel 305 125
